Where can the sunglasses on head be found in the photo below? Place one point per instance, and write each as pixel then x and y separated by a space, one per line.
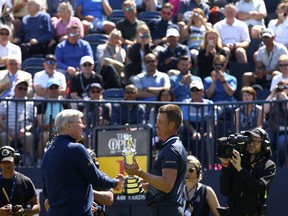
pixel 87 64
pixel 129 8
pixel 4 33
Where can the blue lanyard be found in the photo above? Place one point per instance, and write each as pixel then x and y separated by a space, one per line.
pixel 12 189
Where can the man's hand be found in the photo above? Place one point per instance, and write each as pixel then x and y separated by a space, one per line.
pixel 6 210
pixel 119 185
pixel 133 169
pixel 17 210
pixel 236 160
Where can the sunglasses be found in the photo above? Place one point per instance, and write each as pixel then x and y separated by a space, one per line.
pixel 191 170
pixel 4 33
pixel 168 13
pixel 87 64
pixel 51 62
pixel 283 65
pixel 22 89
pixel 73 35
pixel 195 90
pixel 218 65
pixel 95 91
pixel 145 36
pixel 129 8
pixel 150 61
pixel 130 92
pixel 53 87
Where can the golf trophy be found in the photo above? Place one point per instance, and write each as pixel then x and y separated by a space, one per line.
pixel 132 186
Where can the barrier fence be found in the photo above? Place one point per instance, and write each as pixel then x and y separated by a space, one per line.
pixel 28 124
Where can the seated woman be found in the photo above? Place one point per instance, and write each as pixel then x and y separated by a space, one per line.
pixel 250 115
pixel 110 59
pixel 137 51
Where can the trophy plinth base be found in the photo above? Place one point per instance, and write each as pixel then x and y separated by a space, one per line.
pixel 132 186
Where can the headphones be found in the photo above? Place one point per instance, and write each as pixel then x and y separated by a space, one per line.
pixel 8 151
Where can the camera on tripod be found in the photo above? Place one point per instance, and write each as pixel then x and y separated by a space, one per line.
pixel 226 145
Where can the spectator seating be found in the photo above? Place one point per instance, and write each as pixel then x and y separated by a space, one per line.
pixel 113 94
pixel 33 61
pixel 116 16
pixel 33 69
pixel 95 39
pixel 252 48
pixel 146 16
pixel 262 94
pixel 116 4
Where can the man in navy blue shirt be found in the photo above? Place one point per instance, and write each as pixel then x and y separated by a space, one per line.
pixel 167 178
pixel 69 172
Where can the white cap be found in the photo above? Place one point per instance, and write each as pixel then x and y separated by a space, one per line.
pixel 196 84
pixel 172 32
pixel 86 59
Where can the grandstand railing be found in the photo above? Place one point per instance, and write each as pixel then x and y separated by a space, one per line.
pixel 212 121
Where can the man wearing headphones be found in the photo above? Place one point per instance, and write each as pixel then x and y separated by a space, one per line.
pixel 18 191
pixel 246 179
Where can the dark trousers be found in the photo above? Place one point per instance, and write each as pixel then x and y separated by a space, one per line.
pixel 167 210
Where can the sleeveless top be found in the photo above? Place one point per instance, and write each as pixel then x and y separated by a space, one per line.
pixel 198 202
pixel 247 121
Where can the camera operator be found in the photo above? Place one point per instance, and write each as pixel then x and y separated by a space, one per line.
pixel 18 191
pixel 276 120
pixel 246 179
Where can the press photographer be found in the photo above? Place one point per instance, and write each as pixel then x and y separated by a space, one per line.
pixel 247 173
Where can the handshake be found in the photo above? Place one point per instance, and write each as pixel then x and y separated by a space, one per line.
pixel 13 210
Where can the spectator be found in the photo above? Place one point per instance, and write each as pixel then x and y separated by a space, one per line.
pixel 53 6
pixel 69 52
pixel 234 34
pixel 137 51
pixel 130 23
pixel 253 14
pixel 185 8
pixel 212 46
pixel 16 122
pixel 46 114
pixel 168 57
pixel 110 59
pixel 276 121
pixel 41 78
pixel 198 120
pixel 194 33
pixel 34 40
pixel 72 156
pixel 266 61
pixel 128 113
pixel 7 48
pixel 6 13
pixel 200 198
pixel 81 81
pixel 180 84
pixel 93 13
pixel 9 77
pixel 283 67
pixel 279 25
pixel 220 86
pixel 151 82
pixel 150 5
pixel 248 115
pixel 24 199
pixel 158 28
pixel 65 18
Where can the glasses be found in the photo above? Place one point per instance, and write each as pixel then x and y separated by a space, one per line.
pixel 149 61
pixel 129 8
pixel 218 65
pixel 53 87
pixel 130 92
pixel 22 89
pixel 95 91
pixel 168 13
pixel 191 170
pixel 50 62
pixel 87 64
pixel 283 65
pixel 73 34
pixel 255 142
pixel 4 33
pixel 145 36
pixel 195 90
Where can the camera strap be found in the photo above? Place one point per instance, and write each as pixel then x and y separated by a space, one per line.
pixel 9 199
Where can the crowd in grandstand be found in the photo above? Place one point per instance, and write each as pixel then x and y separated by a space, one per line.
pixel 199 51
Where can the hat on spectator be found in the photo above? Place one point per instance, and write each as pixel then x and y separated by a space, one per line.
pixel 6 155
pixel 86 59
pixel 20 81
pixel 172 32
pixel 53 81
pixel 95 85
pixel 267 33
pixel 6 27
pixel 196 84
pixel 255 133
pixel 50 57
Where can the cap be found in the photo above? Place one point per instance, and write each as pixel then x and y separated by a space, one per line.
pixel 255 133
pixel 196 84
pixel 95 85
pixel 6 27
pixel 50 57
pixel 21 81
pixel 267 33
pixel 172 32
pixel 53 81
pixel 86 59
pixel 6 155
